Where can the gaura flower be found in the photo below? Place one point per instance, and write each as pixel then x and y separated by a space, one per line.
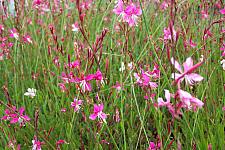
pixel 76 104
pixel 98 112
pixel 31 92
pixel 186 72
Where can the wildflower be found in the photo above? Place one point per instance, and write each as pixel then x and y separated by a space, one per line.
pixel 131 14
pixel 130 65
pixel 14 33
pixel 223 50
pixel 63 110
pixel 118 86
pixel 27 39
pixel 84 82
pixel 153 146
pixel 60 142
pixel 222 11
pixel 31 92
pixel 144 79
pixel 76 104
pixel 163 103
pixel 13 117
pixel 188 100
pixel 223 64
pixel 75 27
pixel 98 112
pixel 122 68
pixel 188 66
pixel 62 87
pixel 191 43
pixel 205 14
pixel 9 113
pixel 164 5
pixel 75 64
pixel 168 35
pixel 36 144
pixel 128 14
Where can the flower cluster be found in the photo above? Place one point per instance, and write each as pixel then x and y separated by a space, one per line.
pixel 129 13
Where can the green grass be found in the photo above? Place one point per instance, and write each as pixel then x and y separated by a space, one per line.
pixel 140 122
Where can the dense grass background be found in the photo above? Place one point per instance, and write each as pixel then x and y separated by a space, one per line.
pixel 140 122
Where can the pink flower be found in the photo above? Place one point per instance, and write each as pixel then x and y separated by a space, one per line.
pixel 21 119
pixel 144 79
pixel 186 74
pixel 223 49
pixel 163 103
pixel 189 101
pixel 36 144
pixel 153 146
pixel 119 8
pixel 63 110
pixel 27 39
pixel 62 87
pixel 76 104
pixel 98 112
pixel 98 75
pixel 168 35
pixel 14 117
pixel 75 64
pixel 164 5
pixel 60 142
pixel 128 14
pixel 84 82
pixel 131 14
pixel 118 86
pixel 14 33
pixel 75 27
pixel 191 43
pixel 205 14
pixel 168 104
pixel 222 11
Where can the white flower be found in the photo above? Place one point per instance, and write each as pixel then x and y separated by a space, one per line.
pixel 30 92
pixel 130 65
pixel 122 68
pixel 223 64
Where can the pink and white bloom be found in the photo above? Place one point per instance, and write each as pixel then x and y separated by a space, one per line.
pixel 186 72
pixel 118 86
pixel 14 117
pixel 189 101
pixel 144 79
pixel 223 50
pixel 13 33
pixel 190 43
pixel 129 14
pixel 161 102
pixel 27 39
pixel 36 144
pixel 75 27
pixel 75 64
pixel 98 112
pixel 204 14
pixel 76 104
pixel 168 35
